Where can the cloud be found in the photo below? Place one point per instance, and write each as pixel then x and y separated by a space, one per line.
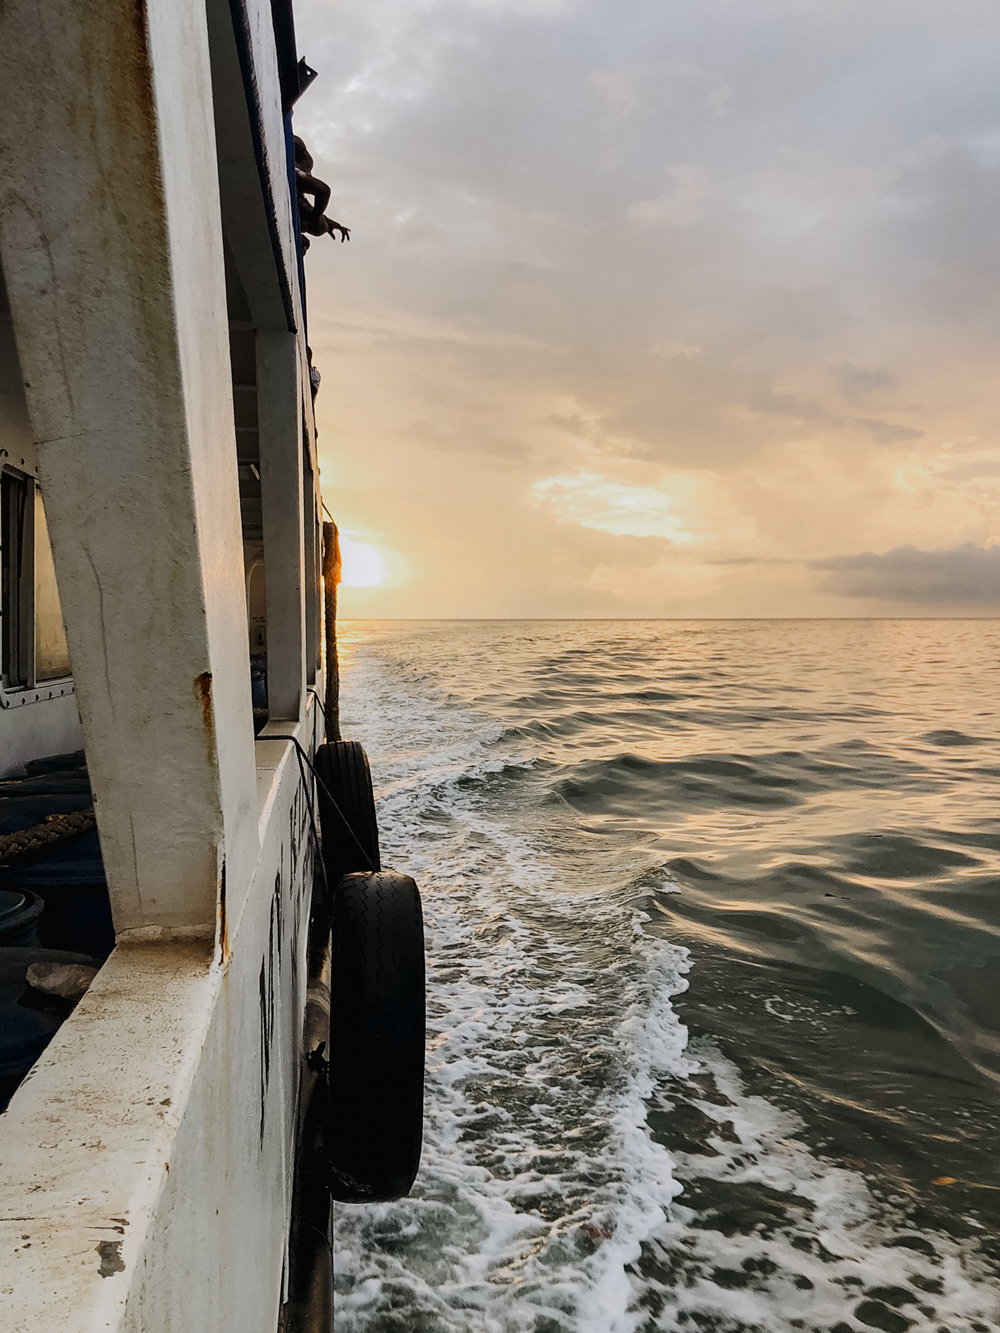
pixel 687 509
pixel 680 207
pixel 858 382
pixel 649 89
pixel 886 432
pixel 699 268
pixel 966 575
pixel 370 324
pixel 594 502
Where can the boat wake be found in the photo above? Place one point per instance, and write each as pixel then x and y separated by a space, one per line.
pixel 585 1169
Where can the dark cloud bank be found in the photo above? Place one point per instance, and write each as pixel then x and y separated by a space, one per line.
pixel 966 575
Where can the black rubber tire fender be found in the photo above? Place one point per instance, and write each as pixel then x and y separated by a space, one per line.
pixel 377 1038
pixel 346 810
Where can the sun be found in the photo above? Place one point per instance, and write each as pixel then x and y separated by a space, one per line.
pixel 362 565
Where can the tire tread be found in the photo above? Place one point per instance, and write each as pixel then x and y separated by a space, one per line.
pixel 342 767
pixel 377 1038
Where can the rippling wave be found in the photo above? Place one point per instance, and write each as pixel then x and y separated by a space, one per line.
pixel 713 961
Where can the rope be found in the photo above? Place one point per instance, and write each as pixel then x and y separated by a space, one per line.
pixel 304 759
pixel 49 836
pixel 319 704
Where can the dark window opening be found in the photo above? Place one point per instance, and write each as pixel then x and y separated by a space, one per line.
pixel 34 648
pixel 16 603
pixel 32 637
pixel 243 362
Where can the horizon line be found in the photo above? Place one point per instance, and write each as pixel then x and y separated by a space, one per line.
pixel 665 619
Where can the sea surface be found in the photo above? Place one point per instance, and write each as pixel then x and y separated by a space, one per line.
pixel 713 925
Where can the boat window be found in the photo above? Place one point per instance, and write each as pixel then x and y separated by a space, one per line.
pixel 33 636
pixel 51 651
pixel 16 566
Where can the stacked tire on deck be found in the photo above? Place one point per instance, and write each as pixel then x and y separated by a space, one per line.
pixel 377 1010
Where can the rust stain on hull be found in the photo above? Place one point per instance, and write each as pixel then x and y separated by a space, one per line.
pixel 222 922
pixel 203 693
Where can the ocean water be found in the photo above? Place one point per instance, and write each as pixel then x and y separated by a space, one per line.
pixel 713 922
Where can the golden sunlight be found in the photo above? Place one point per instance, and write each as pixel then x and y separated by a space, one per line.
pixel 595 502
pixel 362 564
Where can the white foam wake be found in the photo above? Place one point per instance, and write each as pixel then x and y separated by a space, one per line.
pixel 550 1024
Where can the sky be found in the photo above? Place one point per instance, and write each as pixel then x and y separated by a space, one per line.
pixel 659 307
